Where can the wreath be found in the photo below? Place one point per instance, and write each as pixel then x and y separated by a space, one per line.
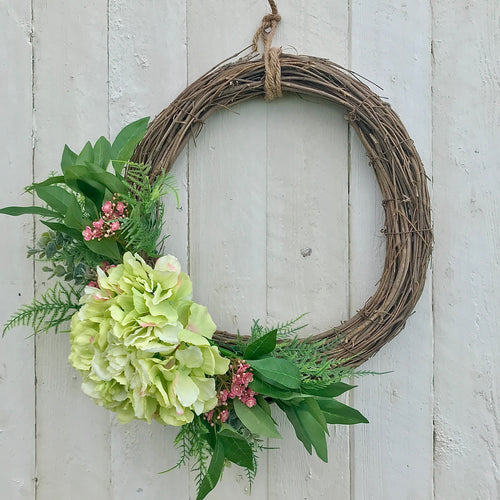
pixel 144 349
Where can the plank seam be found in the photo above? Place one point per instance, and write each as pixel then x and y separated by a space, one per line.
pixel 33 144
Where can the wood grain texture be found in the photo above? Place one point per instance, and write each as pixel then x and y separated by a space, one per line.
pixel 71 96
pixel 143 78
pixel 467 249
pixel 307 231
pixel 17 377
pixel 227 197
pixel 392 456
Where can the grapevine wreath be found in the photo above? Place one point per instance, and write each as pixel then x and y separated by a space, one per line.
pixel 144 349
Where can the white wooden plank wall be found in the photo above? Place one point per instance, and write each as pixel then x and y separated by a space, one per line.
pixel 280 214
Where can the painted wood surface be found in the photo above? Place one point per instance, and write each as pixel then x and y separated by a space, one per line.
pixel 279 214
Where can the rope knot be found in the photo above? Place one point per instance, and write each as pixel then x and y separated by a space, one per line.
pixel 266 31
pixel 268 20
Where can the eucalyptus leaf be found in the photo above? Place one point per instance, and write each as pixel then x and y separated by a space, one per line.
pixel 214 472
pixel 256 420
pixel 279 371
pixel 263 345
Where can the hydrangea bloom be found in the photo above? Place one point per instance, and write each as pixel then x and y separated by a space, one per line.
pixel 141 344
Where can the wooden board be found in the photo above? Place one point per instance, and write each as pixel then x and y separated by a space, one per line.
pixel 227 198
pixel 70 106
pixel 307 232
pixel 466 257
pixel 17 370
pixel 392 456
pixel 144 77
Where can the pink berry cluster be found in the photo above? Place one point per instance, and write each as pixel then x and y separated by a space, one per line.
pixel 241 376
pixel 109 222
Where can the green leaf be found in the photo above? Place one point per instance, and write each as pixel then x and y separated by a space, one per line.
pixel 339 413
pixel 314 431
pixel 74 216
pixel 256 420
pixel 86 154
pixel 92 175
pixel 297 426
pixel 280 371
pixel 126 141
pixel 68 158
pixel 105 248
pixel 102 153
pixel 307 429
pixel 56 179
pixel 79 178
pixel 62 228
pixel 261 387
pixel 44 212
pixel 214 472
pixel 236 447
pixel 261 400
pixel 330 391
pixel 314 409
pixel 263 345
pixel 56 197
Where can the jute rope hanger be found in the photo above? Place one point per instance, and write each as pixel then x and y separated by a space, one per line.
pixel 392 154
pixel 266 31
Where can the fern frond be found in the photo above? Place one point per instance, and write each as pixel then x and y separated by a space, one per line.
pixel 143 228
pixel 54 307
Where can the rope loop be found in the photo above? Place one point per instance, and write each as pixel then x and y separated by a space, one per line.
pixel 266 31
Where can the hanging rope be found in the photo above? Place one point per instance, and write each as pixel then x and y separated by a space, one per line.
pixel 266 31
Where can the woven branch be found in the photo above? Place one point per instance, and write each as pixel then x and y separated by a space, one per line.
pixel 397 165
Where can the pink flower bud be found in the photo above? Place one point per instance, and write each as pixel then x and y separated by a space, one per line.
pixel 107 208
pixel 87 234
pixel 98 224
pixel 120 207
pixel 250 402
pixel 115 226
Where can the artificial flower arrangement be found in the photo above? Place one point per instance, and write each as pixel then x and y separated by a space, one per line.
pixel 143 347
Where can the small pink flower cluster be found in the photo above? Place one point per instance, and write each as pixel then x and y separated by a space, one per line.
pixel 109 222
pixel 241 377
pixel 239 385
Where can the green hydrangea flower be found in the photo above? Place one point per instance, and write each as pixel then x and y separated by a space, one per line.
pixel 141 345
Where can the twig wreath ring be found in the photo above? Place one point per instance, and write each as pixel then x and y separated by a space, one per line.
pixel 391 152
